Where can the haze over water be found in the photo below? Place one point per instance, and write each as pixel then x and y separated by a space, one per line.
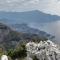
pixel 50 27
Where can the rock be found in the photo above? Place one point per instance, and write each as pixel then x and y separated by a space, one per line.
pixel 44 50
pixel 4 57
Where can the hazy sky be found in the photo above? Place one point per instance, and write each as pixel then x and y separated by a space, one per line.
pixel 48 6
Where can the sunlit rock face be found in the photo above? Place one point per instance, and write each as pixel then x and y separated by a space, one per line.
pixel 4 57
pixel 45 50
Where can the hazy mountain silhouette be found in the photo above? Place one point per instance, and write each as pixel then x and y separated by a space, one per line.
pixel 27 17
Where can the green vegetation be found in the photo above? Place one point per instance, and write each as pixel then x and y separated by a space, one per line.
pixel 18 53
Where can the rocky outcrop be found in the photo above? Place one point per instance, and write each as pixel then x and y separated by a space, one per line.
pixel 45 50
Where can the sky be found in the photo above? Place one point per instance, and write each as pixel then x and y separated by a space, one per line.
pixel 47 6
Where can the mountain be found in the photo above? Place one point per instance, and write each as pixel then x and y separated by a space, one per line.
pixel 27 29
pixel 27 17
pixel 9 37
pixel 44 50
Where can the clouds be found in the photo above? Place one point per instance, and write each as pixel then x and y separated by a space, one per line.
pixel 17 5
pixel 48 6
pixel 53 7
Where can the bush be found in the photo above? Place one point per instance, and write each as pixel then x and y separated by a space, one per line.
pixel 18 53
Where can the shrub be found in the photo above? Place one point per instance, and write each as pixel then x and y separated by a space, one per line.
pixel 18 53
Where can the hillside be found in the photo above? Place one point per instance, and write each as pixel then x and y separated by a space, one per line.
pixel 23 45
pixel 25 28
pixel 9 38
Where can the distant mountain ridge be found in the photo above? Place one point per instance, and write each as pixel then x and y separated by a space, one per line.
pixel 27 17
pixel 27 29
